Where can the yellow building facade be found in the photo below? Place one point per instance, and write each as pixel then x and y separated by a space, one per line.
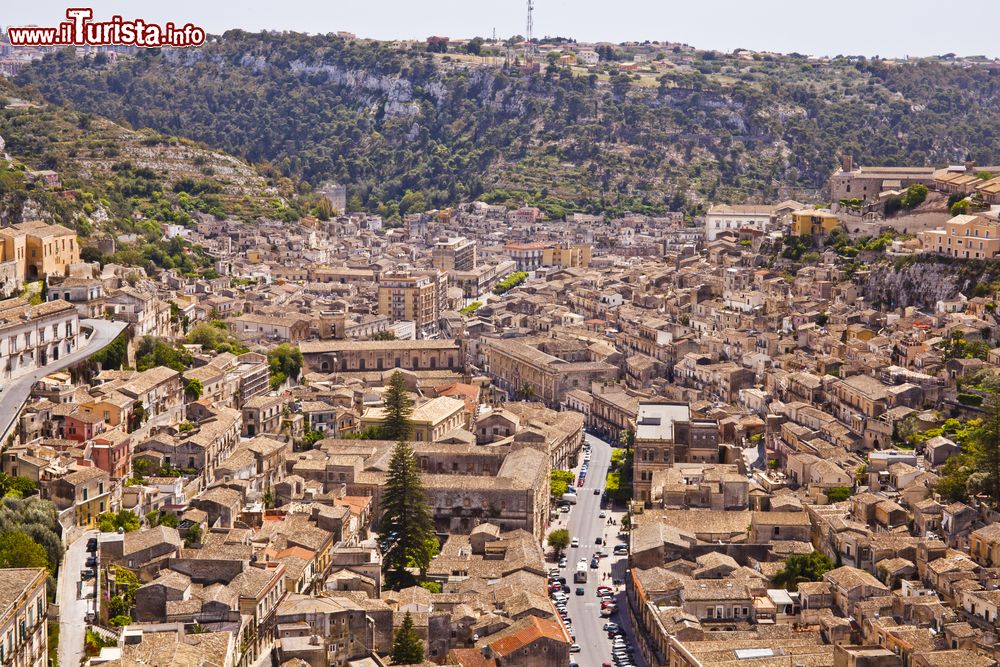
pixel 811 222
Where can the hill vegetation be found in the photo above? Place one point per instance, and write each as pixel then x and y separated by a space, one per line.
pixel 408 130
pixel 127 184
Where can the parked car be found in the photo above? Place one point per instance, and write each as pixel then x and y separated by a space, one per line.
pixel 92 562
pixel 602 588
pixel 87 574
pixel 610 627
pixel 621 550
pixel 602 515
pixel 92 544
pixel 574 648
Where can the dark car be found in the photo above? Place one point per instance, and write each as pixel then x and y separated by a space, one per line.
pixel 594 564
pixel 580 591
pixel 92 544
pixel 92 562
pixel 597 492
pixel 87 574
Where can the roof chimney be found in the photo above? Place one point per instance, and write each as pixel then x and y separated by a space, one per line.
pixel 847 163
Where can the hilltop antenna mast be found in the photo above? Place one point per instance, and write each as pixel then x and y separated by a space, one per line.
pixel 530 46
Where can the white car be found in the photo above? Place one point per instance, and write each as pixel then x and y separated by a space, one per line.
pixel 602 515
pixel 574 648
pixel 575 542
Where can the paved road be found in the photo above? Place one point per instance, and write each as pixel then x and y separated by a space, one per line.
pixel 72 607
pixel 586 524
pixel 15 392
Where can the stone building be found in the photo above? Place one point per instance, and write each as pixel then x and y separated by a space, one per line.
pixel 666 434
pixel 331 356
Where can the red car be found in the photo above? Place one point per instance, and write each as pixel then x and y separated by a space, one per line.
pixel 580 483
pixel 600 589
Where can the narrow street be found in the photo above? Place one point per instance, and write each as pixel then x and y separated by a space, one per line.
pixel 72 607
pixel 586 525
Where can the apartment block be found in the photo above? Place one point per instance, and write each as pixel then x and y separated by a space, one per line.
pixel 416 297
pixel 454 254
pixel 665 434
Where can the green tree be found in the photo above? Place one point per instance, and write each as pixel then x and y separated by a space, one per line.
pixel 985 449
pixel 110 522
pixel 114 356
pixel 19 550
pixel 914 195
pixel 801 568
pixel 312 437
pixel 406 524
pixel 838 494
pixel 192 535
pixel 384 335
pixel 285 360
pixel 193 389
pixel 558 539
pixel 559 481
pixel 397 408
pixel 153 352
pixel 432 586
pixel 407 647
pixel 474 46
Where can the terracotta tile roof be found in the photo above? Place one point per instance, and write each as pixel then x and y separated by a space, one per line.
pixel 527 633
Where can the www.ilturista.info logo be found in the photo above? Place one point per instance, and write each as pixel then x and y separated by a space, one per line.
pixel 80 30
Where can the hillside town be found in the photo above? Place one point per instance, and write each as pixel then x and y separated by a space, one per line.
pixel 477 436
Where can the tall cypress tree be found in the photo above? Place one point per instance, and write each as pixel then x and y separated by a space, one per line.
pixel 407 525
pixel 407 648
pixel 398 409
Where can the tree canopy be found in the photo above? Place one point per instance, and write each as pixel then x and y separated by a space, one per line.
pixel 19 550
pixel 800 568
pixel 558 539
pixel 564 139
pixel 110 522
pixel 406 525
pixel 407 647
pixel 398 408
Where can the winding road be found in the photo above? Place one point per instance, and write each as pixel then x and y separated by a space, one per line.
pixel 15 392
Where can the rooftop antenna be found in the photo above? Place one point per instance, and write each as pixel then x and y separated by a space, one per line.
pixel 530 47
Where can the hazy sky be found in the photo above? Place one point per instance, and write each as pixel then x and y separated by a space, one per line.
pixel 867 27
